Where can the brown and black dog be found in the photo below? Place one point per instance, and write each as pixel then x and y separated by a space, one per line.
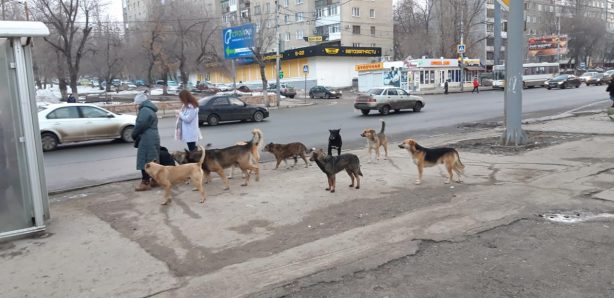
pixel 331 165
pixel 428 157
pixel 167 176
pixel 376 140
pixel 216 160
pixel 258 139
pixel 285 151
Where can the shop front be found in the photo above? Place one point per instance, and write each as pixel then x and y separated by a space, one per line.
pixel 430 75
pixel 382 74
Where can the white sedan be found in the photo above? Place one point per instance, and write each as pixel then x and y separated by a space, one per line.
pixel 386 99
pixel 67 123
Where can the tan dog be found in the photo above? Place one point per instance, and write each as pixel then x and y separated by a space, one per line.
pixel 376 140
pixel 258 139
pixel 285 151
pixel 167 176
pixel 428 157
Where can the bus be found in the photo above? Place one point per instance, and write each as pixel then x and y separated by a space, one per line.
pixel 535 74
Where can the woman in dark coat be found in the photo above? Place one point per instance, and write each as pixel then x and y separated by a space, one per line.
pixel 146 138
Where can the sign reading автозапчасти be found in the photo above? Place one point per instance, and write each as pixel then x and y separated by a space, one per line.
pixel 238 41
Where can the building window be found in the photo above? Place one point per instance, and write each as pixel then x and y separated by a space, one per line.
pixel 334 28
pixel 245 14
pixel 288 36
pixel 372 13
pixel 299 1
pixel 356 29
pixel 257 10
pixel 356 44
pixel 299 34
pixel 268 7
pixel 286 3
pixel 372 30
pixel 373 45
pixel 286 19
pixel 299 17
pixel 355 11
pixel 333 10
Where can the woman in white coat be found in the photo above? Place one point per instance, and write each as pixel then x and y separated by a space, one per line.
pixel 187 120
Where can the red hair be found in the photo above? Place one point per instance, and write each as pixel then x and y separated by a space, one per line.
pixel 186 98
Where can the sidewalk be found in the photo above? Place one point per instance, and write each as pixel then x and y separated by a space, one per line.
pixel 110 241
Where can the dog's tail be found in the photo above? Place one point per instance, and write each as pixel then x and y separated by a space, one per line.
pixel 202 156
pixel 359 172
pixel 383 126
pixel 459 167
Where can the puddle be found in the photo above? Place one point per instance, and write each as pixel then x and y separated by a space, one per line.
pixel 576 217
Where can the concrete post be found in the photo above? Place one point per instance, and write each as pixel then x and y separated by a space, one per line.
pixel 497 28
pixel 514 135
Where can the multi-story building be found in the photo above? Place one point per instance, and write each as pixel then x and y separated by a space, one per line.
pixel 137 12
pixel 358 23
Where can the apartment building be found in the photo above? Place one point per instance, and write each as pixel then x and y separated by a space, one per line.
pixel 357 23
pixel 136 12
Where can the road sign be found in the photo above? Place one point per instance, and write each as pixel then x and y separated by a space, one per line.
pixel 305 68
pixel 460 48
pixel 238 41
pixel 281 74
pixel 505 3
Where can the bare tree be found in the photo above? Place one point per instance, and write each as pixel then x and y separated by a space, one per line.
pixel 70 29
pixel 263 40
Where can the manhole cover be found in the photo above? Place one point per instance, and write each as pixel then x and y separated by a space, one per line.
pixel 575 217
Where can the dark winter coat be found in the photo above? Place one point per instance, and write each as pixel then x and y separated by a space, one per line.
pixel 146 134
pixel 611 88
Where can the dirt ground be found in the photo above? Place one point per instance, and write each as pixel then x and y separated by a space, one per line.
pixel 529 258
pixel 538 140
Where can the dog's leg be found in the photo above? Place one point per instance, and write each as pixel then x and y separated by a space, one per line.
pixel 458 174
pixel 449 168
pixel 295 161
pixel 286 163
pixel 305 159
pixel 338 150
pixel 256 168
pixel 277 165
pixel 370 151
pixel 420 170
pixel 167 194
pixel 232 172
pixel 385 145
pixel 246 172
pixel 351 176
pixel 357 179
pixel 329 183
pixel 333 183
pixel 222 175
pixel 198 181
pixel 377 151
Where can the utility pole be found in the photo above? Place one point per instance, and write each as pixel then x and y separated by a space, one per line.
pixel 234 64
pixel 462 42
pixel 3 12
pixel 514 135
pixel 558 32
pixel 497 27
pixel 278 89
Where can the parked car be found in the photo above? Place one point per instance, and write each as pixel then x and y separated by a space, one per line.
pixel 386 99
pixel 324 92
pixel 218 108
pixel 609 73
pixel 139 83
pixel 598 79
pixel 588 78
pixel 563 81
pixel 205 88
pixel 284 89
pixel 66 123
pixel 244 88
pixel 172 87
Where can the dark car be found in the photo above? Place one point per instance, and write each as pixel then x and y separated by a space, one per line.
pixel 324 92
pixel 139 83
pixel 214 109
pixel 205 88
pixel 563 81
pixel 284 89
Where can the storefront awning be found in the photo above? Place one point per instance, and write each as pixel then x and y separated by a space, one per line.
pixel 473 68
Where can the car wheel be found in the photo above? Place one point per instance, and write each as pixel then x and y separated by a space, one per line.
pixel 213 120
pixel 524 85
pixel 385 110
pixel 365 112
pixel 127 134
pixel 291 96
pixel 418 106
pixel 549 88
pixel 258 116
pixel 578 86
pixel 310 95
pixel 49 141
pixel 564 86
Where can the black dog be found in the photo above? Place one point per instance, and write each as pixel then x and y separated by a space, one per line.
pixel 332 165
pixel 334 141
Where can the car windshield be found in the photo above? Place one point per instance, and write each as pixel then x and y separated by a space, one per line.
pixel 561 77
pixel 376 91
pixel 588 74
pixel 205 100
pixel 171 83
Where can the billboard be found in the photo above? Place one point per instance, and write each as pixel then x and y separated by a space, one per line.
pixel 547 45
pixel 238 41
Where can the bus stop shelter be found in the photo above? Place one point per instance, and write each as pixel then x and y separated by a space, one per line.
pixel 23 193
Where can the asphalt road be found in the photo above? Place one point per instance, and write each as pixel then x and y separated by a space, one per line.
pixel 82 165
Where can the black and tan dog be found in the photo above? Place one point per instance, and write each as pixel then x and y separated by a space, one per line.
pixel 216 160
pixel 332 165
pixel 285 151
pixel 428 157
pixel 376 140
pixel 258 139
pixel 167 176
